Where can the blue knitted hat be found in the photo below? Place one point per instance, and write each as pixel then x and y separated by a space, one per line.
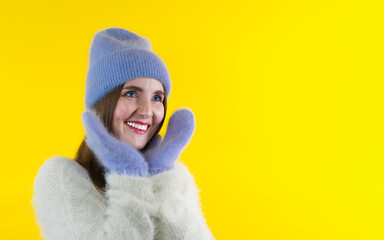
pixel 116 56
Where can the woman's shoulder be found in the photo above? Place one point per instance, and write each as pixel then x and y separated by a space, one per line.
pixel 59 165
pixel 61 171
pixel 62 189
pixel 62 179
pixel 59 161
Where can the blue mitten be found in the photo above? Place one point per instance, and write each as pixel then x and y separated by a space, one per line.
pixel 110 151
pixel 161 155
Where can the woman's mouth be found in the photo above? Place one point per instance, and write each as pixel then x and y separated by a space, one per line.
pixel 139 128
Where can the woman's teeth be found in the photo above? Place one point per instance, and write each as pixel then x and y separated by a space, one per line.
pixel 138 126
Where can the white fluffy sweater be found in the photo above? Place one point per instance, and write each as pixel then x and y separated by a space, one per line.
pixel 164 206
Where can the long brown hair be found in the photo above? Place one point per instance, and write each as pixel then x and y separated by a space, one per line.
pixel 85 156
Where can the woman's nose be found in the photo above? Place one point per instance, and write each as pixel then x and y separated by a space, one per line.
pixel 144 109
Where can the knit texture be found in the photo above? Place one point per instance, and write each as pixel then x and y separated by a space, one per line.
pixel 68 207
pixel 178 214
pixel 112 153
pixel 116 56
pixel 161 155
pixel 124 159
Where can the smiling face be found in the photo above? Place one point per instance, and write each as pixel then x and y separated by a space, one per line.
pixel 139 111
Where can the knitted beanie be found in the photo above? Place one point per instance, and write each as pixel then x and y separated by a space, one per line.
pixel 116 56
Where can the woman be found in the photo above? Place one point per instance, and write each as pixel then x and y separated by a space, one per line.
pixel 125 182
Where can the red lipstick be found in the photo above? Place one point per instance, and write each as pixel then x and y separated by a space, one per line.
pixel 138 122
pixel 138 131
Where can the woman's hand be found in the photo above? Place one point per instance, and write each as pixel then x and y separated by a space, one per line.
pixel 110 151
pixel 123 158
pixel 161 155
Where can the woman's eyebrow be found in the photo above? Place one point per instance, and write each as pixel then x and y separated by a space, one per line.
pixel 140 90
pixel 134 88
pixel 159 92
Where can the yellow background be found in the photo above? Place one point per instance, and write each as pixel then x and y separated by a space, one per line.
pixel 287 95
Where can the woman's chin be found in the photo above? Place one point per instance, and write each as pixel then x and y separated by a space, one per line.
pixel 136 145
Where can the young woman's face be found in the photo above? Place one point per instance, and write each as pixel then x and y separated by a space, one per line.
pixel 139 111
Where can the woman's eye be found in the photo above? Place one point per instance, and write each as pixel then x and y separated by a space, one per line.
pixel 157 98
pixel 130 94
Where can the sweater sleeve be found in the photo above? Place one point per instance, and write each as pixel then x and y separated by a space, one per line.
pixel 67 205
pixel 179 214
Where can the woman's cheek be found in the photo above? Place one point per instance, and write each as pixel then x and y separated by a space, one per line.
pixel 124 108
pixel 159 114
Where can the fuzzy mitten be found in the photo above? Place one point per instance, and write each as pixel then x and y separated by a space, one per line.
pixel 111 152
pixel 161 155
